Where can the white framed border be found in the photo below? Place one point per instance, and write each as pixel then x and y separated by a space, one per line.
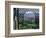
pixel 27 30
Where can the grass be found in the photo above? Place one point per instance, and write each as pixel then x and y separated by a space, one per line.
pixel 28 25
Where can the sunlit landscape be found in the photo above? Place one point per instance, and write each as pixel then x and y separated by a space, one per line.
pixel 26 18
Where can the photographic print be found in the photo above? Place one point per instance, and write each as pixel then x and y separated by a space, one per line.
pixel 26 18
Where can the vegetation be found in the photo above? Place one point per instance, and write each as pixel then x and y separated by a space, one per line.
pixel 28 25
